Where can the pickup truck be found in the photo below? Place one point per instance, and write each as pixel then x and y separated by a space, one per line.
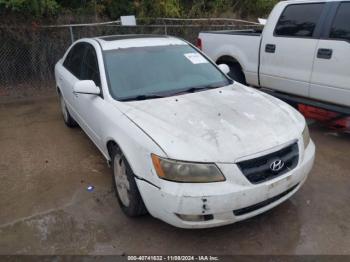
pixel 303 52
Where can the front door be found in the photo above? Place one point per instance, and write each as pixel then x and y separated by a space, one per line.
pixel 287 50
pixel 330 80
pixel 90 107
pixel 72 73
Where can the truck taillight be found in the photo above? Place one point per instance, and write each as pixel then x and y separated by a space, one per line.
pixel 199 43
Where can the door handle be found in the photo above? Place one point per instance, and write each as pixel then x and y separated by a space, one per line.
pixel 324 53
pixel 270 48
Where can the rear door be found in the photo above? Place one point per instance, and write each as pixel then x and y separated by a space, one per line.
pixel 330 78
pixel 288 49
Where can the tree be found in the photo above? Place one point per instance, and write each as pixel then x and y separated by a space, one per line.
pixel 117 8
pixel 34 7
pixel 142 8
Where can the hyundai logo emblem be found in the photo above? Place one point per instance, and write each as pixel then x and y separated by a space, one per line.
pixel 277 165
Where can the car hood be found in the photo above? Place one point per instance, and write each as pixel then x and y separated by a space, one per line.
pixel 220 125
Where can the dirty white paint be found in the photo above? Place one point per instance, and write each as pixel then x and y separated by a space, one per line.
pixel 140 42
pixel 220 126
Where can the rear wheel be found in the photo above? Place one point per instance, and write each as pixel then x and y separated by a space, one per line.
pixel 125 186
pixel 67 118
pixel 236 73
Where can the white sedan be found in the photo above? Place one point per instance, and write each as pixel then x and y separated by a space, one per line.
pixel 185 142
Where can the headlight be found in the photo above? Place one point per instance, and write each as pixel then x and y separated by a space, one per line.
pixel 186 172
pixel 306 136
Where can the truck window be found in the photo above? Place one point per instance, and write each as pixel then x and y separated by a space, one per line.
pixel 299 20
pixel 341 26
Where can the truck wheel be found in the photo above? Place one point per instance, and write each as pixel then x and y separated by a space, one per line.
pixel 125 186
pixel 236 73
pixel 67 118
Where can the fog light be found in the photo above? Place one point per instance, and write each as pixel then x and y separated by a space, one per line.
pixel 195 218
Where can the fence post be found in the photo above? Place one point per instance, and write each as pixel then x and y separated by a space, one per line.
pixel 71 34
pixel 165 27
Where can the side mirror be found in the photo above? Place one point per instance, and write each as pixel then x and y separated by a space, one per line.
pixel 224 68
pixel 86 87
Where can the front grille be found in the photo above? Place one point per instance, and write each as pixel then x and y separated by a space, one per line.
pixel 258 170
pixel 246 210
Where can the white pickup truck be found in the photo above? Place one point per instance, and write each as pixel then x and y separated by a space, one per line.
pixel 303 51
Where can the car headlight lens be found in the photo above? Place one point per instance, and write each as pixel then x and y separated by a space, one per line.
pixel 306 136
pixel 179 171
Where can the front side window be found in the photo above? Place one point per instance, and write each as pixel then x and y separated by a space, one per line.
pixel 299 20
pixel 74 59
pixel 159 70
pixel 341 24
pixel 90 69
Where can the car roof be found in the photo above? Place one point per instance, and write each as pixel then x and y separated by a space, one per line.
pixel 309 1
pixel 137 40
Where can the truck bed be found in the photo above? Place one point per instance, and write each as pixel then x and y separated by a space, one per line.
pixel 242 44
pixel 247 32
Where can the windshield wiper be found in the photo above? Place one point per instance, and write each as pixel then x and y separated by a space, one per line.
pixel 183 91
pixel 198 89
pixel 141 97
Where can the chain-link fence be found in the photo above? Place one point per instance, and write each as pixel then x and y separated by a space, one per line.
pixel 28 54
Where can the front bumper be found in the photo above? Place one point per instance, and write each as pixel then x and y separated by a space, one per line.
pixel 220 200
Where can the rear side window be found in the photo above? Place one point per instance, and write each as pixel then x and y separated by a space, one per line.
pixel 90 69
pixel 341 25
pixel 299 20
pixel 74 59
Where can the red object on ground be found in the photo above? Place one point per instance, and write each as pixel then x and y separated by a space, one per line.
pixel 341 124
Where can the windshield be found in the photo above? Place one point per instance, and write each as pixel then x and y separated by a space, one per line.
pixel 159 71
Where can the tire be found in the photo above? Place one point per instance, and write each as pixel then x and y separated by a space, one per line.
pixel 67 118
pixel 236 73
pixel 127 193
pixel 294 104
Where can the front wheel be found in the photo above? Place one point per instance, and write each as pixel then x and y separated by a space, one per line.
pixel 125 186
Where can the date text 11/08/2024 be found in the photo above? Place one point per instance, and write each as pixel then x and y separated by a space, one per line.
pixel 173 258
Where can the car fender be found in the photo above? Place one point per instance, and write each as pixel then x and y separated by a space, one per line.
pixel 135 144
